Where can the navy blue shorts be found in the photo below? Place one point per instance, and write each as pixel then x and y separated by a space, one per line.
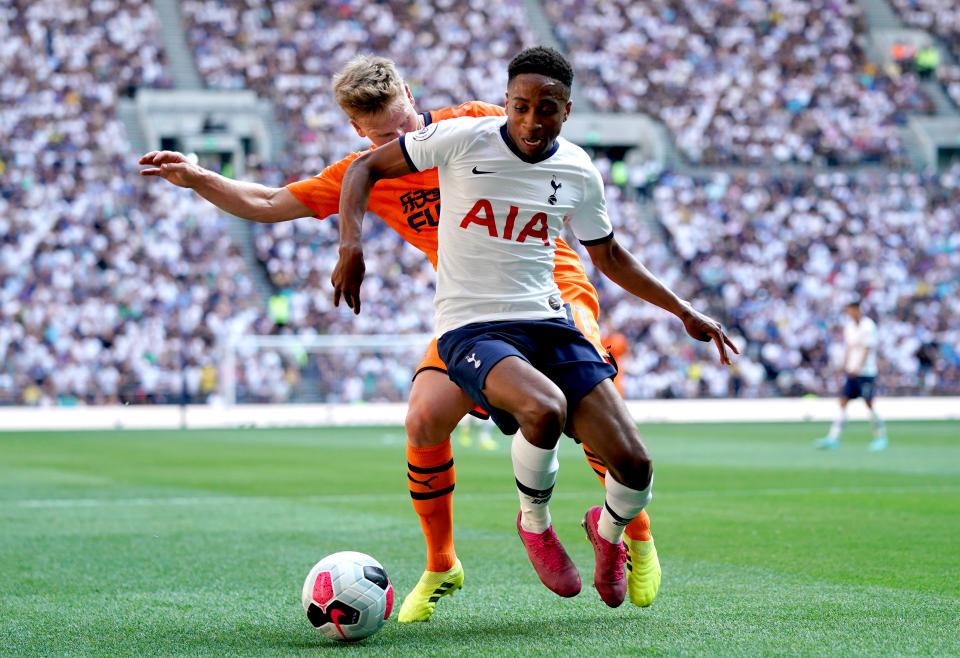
pixel 859 387
pixel 555 347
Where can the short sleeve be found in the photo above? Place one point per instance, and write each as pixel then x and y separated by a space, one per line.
pixel 436 144
pixel 321 193
pixel 590 221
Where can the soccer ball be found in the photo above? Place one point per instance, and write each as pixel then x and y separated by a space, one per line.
pixel 347 596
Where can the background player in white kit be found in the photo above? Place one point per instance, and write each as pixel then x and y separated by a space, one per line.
pixel 860 370
pixel 507 187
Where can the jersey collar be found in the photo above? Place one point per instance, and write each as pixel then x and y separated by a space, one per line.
pixel 517 152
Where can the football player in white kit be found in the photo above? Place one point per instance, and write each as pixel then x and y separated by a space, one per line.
pixel 860 369
pixel 507 187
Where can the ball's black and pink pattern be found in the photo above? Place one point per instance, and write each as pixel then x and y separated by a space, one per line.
pixel 347 596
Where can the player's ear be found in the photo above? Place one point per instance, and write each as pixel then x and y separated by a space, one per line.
pixel 566 110
pixel 357 128
pixel 410 97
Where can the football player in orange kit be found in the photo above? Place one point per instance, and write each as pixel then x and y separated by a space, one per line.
pixel 381 107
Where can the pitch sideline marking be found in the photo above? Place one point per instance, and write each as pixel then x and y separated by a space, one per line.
pixel 219 500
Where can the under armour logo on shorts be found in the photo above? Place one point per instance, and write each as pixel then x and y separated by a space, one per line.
pixel 474 360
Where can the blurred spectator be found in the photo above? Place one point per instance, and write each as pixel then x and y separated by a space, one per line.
pixel 111 291
pixel 287 50
pixel 772 81
pixel 903 54
pixel 926 61
pixel 949 77
pixel 115 291
pixel 774 252
pixel 939 17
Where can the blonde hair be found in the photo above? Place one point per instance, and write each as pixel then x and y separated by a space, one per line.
pixel 367 85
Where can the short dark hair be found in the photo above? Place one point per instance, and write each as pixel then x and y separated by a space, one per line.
pixel 542 60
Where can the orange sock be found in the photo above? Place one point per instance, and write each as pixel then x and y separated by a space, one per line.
pixel 639 528
pixel 431 477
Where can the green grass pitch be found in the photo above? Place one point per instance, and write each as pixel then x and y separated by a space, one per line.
pixel 197 543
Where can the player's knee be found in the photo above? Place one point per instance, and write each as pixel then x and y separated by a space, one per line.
pixel 541 418
pixel 425 428
pixel 632 466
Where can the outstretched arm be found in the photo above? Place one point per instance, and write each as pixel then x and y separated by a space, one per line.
pixel 251 201
pixel 386 161
pixel 627 272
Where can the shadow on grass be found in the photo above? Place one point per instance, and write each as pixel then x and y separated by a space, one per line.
pixel 472 634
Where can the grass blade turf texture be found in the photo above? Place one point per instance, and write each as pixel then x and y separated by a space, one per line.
pixel 197 543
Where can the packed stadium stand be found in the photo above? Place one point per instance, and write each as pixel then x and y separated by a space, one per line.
pixel 287 50
pixel 950 77
pixel 776 254
pixel 113 289
pixel 777 81
pixel 939 17
pixel 793 194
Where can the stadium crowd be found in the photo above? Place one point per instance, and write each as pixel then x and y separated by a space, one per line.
pixel 777 256
pixel 941 18
pixel 949 77
pixel 771 81
pixel 287 50
pixel 115 289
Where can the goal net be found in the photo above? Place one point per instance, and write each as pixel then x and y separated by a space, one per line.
pixel 319 368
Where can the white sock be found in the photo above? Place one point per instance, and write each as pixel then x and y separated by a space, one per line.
pixel 622 504
pixel 879 427
pixel 838 424
pixel 536 472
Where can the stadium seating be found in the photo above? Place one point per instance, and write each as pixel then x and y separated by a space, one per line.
pixel 119 289
pixel 778 256
pixel 939 17
pixel 114 289
pixel 949 77
pixel 288 50
pixel 775 81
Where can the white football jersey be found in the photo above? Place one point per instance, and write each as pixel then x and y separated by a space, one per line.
pixel 500 217
pixel 861 337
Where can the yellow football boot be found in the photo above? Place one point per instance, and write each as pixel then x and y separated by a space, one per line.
pixel 643 571
pixel 433 585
